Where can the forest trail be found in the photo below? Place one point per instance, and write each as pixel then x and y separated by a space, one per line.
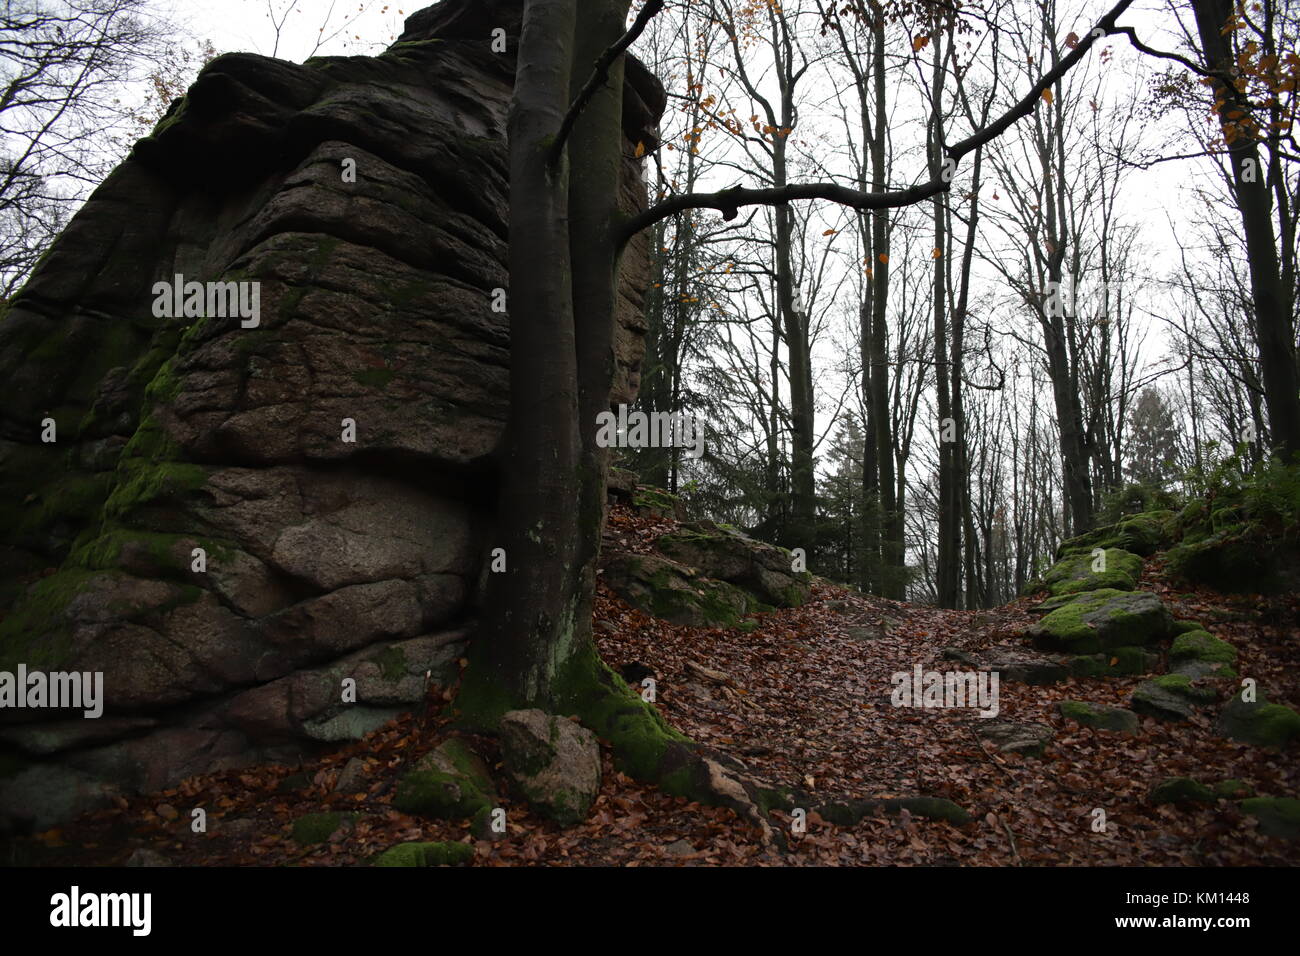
pixel 804 701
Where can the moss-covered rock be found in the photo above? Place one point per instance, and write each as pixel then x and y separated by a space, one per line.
pixel 660 503
pixel 1099 716
pixel 1172 697
pixel 725 554
pixel 1259 722
pixel 312 828
pixel 425 854
pixel 1086 571
pixel 553 762
pixel 1180 790
pixel 1277 816
pixel 670 591
pixel 1104 619
pixel 1234 559
pixel 1142 534
pixel 1202 646
pixel 1233 790
pixel 450 782
pixel 1116 662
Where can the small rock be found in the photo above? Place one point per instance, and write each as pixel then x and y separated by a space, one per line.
pixel 352 778
pixel 1259 723
pixel 1180 790
pixel 1029 739
pixel 681 847
pixel 1277 816
pixel 554 762
pixel 1099 716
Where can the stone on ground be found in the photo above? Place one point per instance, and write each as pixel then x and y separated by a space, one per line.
pixel 425 854
pixel 554 762
pixel 1075 573
pixel 1260 723
pixel 1099 716
pixel 1181 790
pixel 450 782
pixel 1100 620
pixel 1029 739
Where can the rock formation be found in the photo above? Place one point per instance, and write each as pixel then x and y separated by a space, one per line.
pixel 199 443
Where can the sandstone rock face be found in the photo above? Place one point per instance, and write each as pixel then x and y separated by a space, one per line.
pixel 197 439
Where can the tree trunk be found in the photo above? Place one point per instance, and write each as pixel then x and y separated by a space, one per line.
pixel 1273 327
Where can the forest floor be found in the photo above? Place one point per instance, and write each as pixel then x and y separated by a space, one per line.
pixel 806 704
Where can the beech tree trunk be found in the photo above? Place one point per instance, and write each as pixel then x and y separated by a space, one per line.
pixel 1274 330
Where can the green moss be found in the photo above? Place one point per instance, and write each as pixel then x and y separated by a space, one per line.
pixel 1232 790
pixel 315 828
pixel 392 662
pixel 375 377
pixel 1260 722
pixel 32 633
pixel 425 854
pixel 606 705
pixel 1202 646
pixel 657 500
pixel 1099 717
pixel 1074 573
pixel 141 483
pixel 1106 618
pixel 1182 685
pixel 432 793
pixel 1181 790
pixel 1142 534
pixel 1277 816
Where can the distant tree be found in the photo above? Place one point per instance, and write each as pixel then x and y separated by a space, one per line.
pixel 1153 441
pixel 63 64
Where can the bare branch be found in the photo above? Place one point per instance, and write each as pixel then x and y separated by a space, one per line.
pixel 729 200
pixel 600 75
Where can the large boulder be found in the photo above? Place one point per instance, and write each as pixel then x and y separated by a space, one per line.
pixel 1104 619
pixel 727 554
pixel 1143 534
pixel 1091 571
pixel 220 547
pixel 672 591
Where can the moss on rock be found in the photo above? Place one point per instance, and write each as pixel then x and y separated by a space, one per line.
pixel 313 828
pixel 1104 619
pixel 1181 790
pixel 1277 816
pixel 1077 572
pixel 1202 646
pixel 425 854
pixel 1259 722
pixel 1099 716
pixel 1116 662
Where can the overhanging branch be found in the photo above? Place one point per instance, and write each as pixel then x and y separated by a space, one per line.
pixel 600 75
pixel 728 201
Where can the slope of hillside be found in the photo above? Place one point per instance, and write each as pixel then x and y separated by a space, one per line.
pixel 801 697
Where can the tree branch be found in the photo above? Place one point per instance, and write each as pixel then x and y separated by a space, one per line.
pixel 600 75
pixel 728 201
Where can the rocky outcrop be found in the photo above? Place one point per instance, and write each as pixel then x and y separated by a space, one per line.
pixel 235 523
